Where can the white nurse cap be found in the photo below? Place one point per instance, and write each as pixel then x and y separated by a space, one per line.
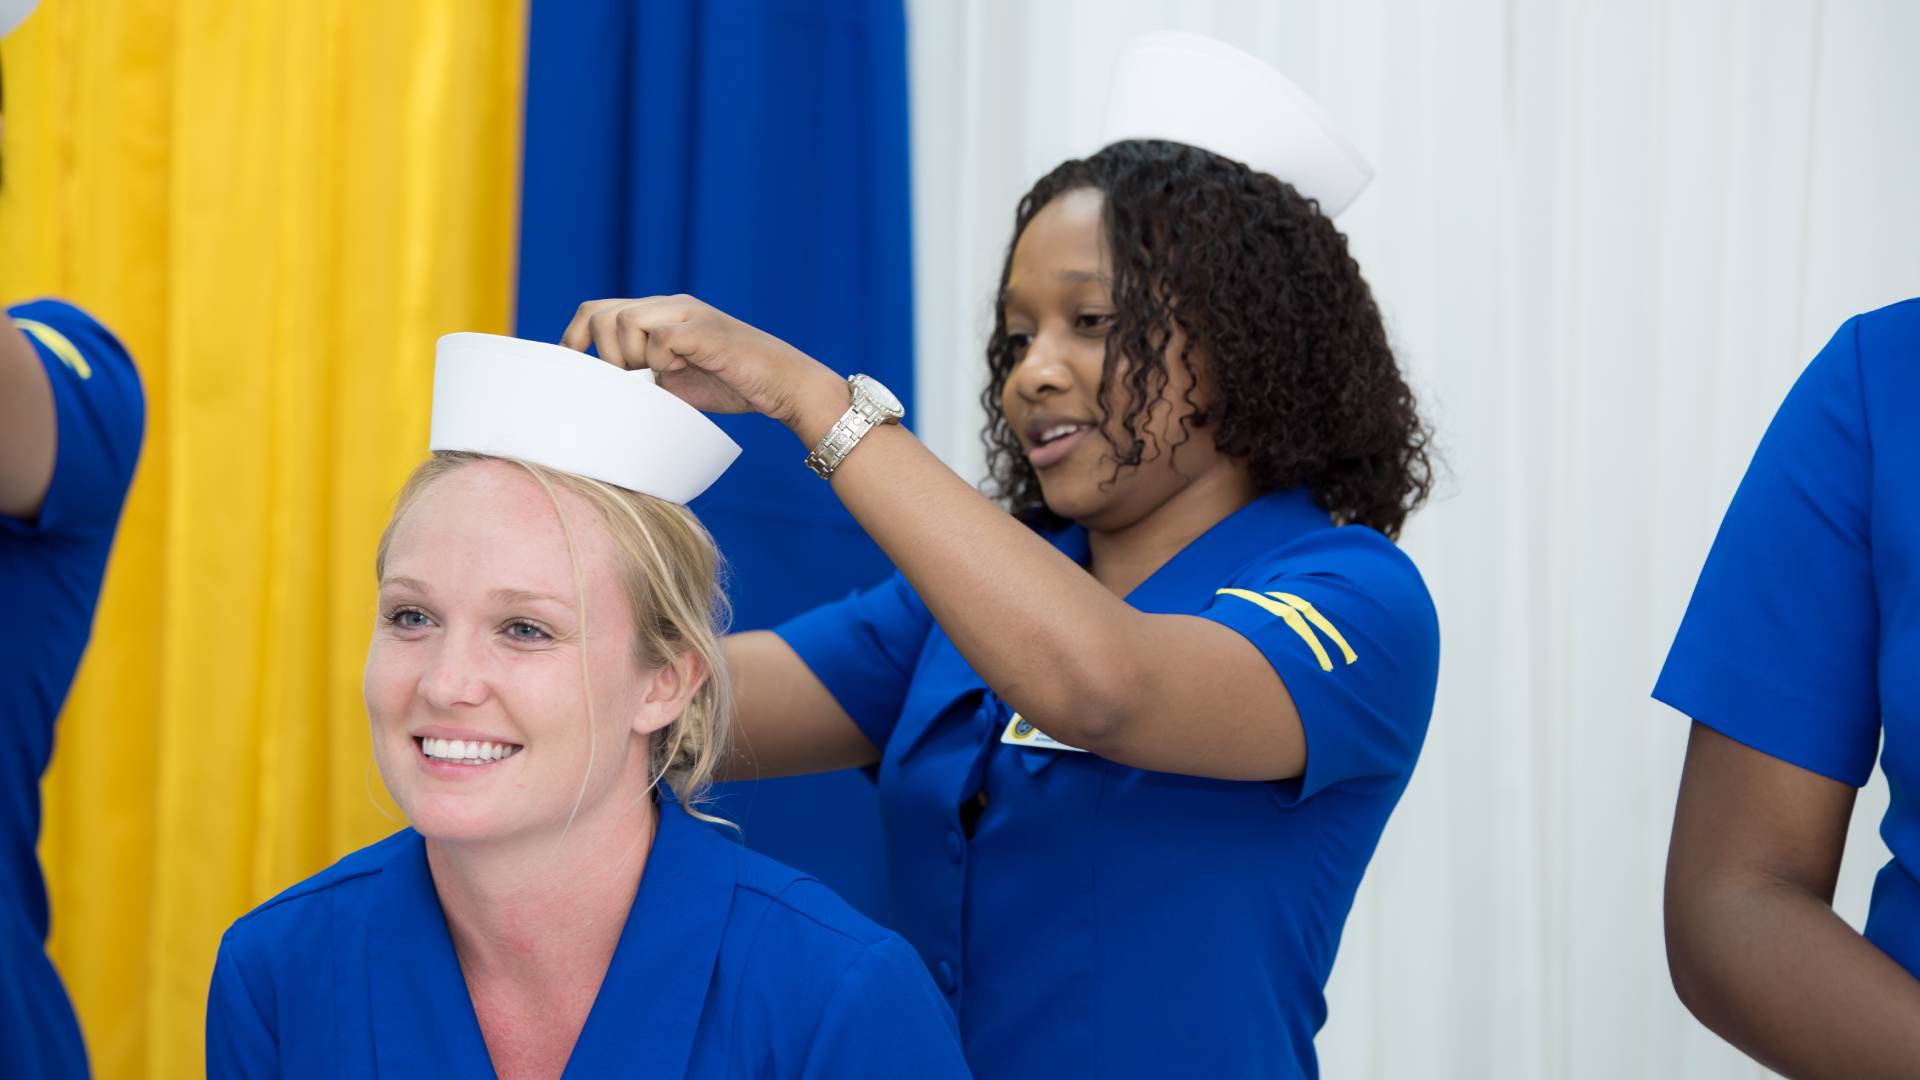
pixel 566 410
pixel 1189 88
pixel 12 12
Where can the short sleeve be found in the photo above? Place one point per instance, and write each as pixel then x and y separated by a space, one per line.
pixel 239 1043
pixel 1778 648
pixel 864 649
pixel 99 417
pixel 1349 627
pixel 886 1020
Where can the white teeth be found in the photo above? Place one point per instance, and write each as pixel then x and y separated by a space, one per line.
pixel 1058 431
pixel 466 752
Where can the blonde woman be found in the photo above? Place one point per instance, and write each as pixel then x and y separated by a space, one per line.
pixel 545 657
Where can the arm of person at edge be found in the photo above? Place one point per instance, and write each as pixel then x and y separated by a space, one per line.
pixel 1753 944
pixel 1171 693
pixel 26 426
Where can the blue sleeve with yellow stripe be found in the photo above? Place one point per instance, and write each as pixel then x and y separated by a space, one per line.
pixel 99 416
pixel 864 649
pixel 1347 623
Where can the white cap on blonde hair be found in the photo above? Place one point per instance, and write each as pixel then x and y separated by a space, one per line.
pixel 507 397
pixel 1189 88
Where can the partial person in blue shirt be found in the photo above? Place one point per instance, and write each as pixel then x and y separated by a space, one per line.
pixel 71 419
pixel 1136 740
pixel 546 914
pixel 1799 661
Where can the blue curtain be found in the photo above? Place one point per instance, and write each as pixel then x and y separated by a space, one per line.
pixel 752 153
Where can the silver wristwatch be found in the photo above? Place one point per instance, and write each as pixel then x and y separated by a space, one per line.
pixel 872 406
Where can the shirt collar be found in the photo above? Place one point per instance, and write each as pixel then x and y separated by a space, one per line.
pixel 648 1010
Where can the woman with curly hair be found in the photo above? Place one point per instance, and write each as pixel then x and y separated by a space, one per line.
pixel 1138 728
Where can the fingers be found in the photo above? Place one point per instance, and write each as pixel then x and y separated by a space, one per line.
pixel 605 329
pixel 625 332
pixel 636 344
pixel 661 356
pixel 579 335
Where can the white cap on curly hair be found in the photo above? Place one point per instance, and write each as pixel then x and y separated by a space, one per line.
pixel 1191 89
pixel 12 12
pixel 566 410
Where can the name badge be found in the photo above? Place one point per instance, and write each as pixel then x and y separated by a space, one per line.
pixel 1021 733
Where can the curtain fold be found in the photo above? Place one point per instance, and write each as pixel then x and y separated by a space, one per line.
pixel 278 207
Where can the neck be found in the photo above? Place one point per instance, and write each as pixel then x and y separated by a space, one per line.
pixel 545 911
pixel 1123 557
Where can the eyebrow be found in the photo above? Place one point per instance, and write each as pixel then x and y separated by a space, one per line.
pixel 503 596
pixel 1064 277
pixel 523 596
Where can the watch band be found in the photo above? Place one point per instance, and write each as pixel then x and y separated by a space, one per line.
pixel 864 413
pixel 840 440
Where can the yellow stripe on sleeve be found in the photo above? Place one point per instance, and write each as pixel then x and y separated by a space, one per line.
pixel 57 343
pixel 1318 620
pixel 1290 617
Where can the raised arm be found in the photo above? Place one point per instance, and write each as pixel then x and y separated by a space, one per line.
pixel 1169 692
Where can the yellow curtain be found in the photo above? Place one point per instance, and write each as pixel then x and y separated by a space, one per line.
pixel 278 206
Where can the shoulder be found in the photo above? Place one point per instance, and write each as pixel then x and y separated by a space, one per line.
pixel 302 913
pixel 823 990
pixel 1350 558
pixel 76 339
pixel 1885 344
pixel 796 911
pixel 1894 325
pixel 1864 354
pixel 804 943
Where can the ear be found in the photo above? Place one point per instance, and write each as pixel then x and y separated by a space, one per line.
pixel 673 686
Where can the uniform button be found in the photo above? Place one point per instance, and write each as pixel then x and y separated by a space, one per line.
pixel 956 847
pixel 944 972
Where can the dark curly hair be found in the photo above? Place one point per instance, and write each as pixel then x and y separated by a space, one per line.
pixel 1257 279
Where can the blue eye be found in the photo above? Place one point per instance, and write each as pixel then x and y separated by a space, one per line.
pixel 522 630
pixel 407 618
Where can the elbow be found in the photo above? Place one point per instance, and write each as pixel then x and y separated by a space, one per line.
pixel 1679 911
pixel 1094 706
pixel 1700 921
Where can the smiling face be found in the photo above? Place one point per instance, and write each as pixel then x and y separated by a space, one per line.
pixel 1058 309
pixel 477 680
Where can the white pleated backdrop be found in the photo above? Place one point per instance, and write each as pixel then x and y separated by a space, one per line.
pixel 1606 237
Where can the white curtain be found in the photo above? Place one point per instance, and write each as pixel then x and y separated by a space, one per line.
pixel 1606 237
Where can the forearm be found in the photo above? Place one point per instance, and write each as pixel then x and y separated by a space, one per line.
pixel 1770 968
pixel 1037 628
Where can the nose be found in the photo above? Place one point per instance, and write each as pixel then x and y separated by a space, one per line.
pixel 1043 371
pixel 454 675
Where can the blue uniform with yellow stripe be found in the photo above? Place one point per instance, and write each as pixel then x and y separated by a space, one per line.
pixel 729 965
pixel 50 574
pixel 1086 918
pixel 1802 639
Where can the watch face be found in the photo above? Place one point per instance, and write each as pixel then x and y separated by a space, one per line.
pixel 881 396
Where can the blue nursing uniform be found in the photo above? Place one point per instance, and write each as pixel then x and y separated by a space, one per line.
pixel 50 573
pixel 730 965
pixel 1802 639
pixel 1086 918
